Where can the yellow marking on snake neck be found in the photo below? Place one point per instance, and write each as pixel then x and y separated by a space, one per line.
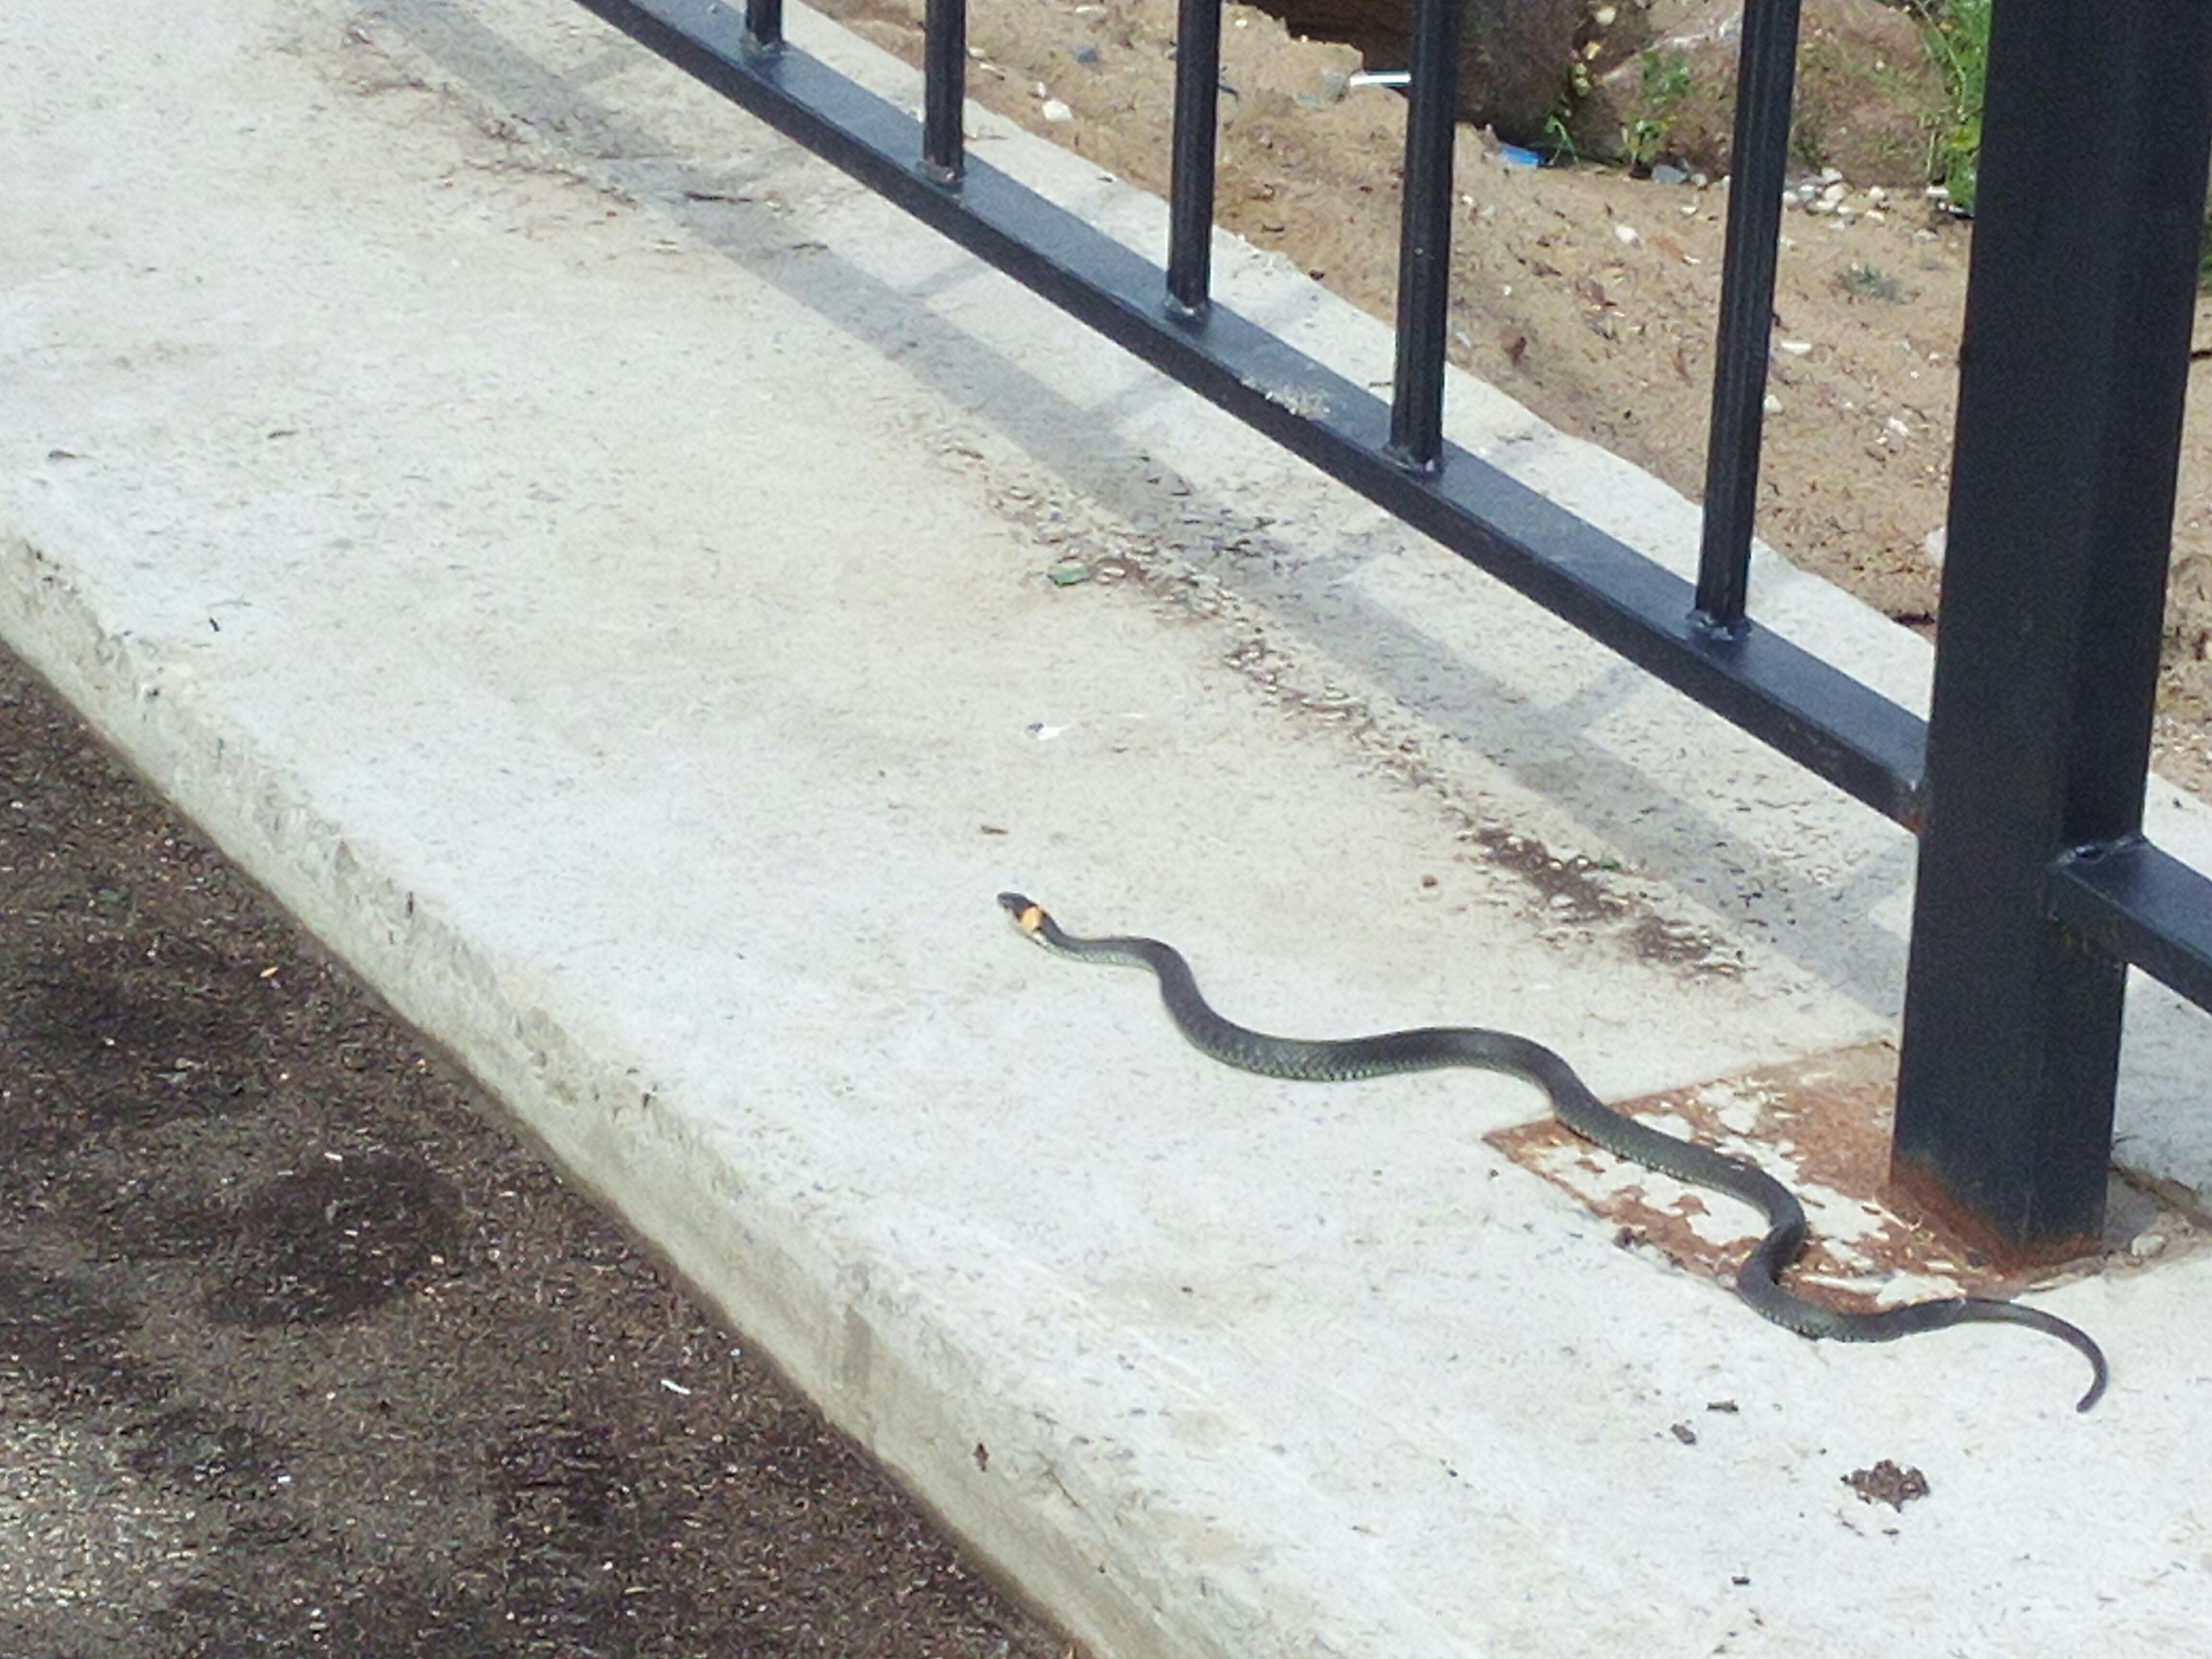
pixel 1032 919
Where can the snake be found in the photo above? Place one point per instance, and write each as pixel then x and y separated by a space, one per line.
pixel 1759 1281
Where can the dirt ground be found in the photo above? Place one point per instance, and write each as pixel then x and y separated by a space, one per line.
pixel 302 1353
pixel 1589 295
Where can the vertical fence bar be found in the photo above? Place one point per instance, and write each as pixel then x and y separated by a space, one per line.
pixel 1766 69
pixel 1425 235
pixel 764 22
pixel 1190 187
pixel 2072 379
pixel 944 88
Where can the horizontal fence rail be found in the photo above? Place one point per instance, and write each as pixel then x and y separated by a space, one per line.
pixel 2134 902
pixel 2091 885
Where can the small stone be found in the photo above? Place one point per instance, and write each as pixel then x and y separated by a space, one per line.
pixel 1052 110
pixel 1627 234
pixel 1772 404
pixel 1668 172
pixel 1068 572
pixel 2144 1246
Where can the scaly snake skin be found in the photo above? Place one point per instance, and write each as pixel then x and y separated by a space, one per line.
pixel 1757 1281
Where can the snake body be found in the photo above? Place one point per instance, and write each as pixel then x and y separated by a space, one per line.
pixel 1757 1281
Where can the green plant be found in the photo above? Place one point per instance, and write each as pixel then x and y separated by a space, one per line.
pixel 1865 282
pixel 1664 83
pixel 1644 141
pixel 1958 42
pixel 1558 142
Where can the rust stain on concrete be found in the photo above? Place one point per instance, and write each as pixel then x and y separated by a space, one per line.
pixel 1822 1127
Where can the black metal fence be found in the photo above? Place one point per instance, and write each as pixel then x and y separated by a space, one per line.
pixel 2037 887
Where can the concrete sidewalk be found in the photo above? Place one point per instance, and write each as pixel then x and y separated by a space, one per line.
pixel 589 560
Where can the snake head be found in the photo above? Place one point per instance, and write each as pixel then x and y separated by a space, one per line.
pixel 1028 915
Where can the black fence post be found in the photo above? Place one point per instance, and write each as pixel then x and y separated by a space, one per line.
pixel 1191 156
pixel 1425 236
pixel 2073 374
pixel 944 89
pixel 1766 72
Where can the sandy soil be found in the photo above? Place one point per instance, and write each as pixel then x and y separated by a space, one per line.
pixel 302 1352
pixel 1587 295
